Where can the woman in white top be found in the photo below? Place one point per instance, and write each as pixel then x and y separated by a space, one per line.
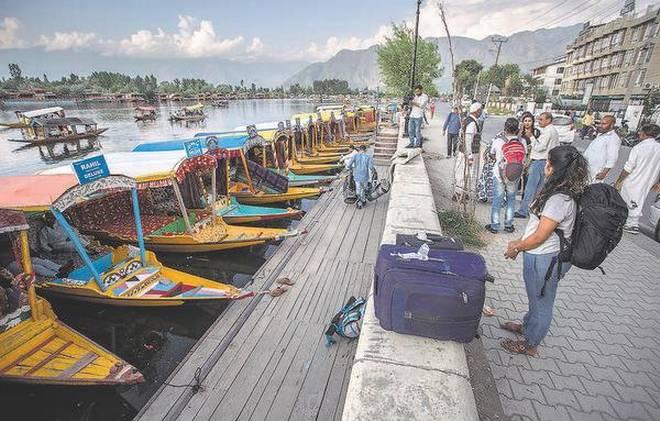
pixel 554 208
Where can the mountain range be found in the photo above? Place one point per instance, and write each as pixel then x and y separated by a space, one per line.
pixel 358 67
pixel 528 49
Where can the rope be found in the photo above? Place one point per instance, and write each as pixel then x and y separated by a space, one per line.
pixel 195 383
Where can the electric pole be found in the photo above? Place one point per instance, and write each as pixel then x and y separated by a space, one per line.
pixel 413 69
pixel 499 42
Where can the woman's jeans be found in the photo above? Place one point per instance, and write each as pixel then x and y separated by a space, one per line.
pixel 535 179
pixel 536 322
pixel 500 193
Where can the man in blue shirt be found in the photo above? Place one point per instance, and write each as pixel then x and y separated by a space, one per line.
pixel 361 165
pixel 451 129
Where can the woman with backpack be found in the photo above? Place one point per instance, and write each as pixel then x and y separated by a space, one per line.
pixel 552 213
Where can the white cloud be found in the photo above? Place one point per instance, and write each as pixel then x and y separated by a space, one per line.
pixel 9 27
pixel 335 44
pixel 191 40
pixel 256 46
pixel 68 41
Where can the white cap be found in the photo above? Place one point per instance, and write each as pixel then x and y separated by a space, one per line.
pixel 475 107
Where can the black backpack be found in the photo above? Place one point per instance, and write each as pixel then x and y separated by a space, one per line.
pixel 598 228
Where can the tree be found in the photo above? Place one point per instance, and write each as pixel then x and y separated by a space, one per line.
pixel 498 75
pixel 395 62
pixel 15 72
pixel 466 75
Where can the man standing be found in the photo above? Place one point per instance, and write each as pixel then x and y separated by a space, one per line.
pixel 587 122
pixel 640 175
pixel 418 104
pixel 548 139
pixel 503 188
pixel 362 165
pixel 603 151
pixel 451 129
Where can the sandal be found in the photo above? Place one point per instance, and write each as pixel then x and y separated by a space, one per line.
pixel 512 327
pixel 285 281
pixel 519 347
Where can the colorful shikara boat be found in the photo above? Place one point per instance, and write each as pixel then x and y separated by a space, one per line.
pixel 124 276
pixel 189 113
pixel 37 348
pixel 56 130
pixel 145 113
pixel 180 214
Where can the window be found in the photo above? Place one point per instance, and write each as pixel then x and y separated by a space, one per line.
pixel 557 81
pixel 613 81
pixel 628 78
pixel 560 70
pixel 641 74
pixel 623 80
pixel 628 57
pixel 622 37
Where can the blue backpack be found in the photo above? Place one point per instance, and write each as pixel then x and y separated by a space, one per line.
pixel 346 322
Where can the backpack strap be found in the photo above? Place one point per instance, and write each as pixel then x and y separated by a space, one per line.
pixel 556 261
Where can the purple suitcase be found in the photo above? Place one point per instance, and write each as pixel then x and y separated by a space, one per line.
pixel 439 298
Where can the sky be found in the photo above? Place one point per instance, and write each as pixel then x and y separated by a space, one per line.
pixel 268 30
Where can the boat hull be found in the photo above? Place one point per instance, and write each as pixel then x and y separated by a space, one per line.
pixel 63 139
pixel 307 169
pixel 47 351
pixel 294 193
pixel 245 214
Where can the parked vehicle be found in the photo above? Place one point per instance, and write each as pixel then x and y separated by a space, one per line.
pixel 565 128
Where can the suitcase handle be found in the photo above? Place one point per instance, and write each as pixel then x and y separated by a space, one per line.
pixel 375 284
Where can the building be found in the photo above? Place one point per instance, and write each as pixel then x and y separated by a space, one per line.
pixel 550 75
pixel 617 63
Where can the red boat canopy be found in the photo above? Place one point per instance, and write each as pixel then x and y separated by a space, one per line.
pixel 33 192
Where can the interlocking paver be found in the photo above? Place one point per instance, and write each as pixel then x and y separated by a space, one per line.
pixel 601 358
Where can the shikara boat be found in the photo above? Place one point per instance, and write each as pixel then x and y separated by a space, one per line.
pixel 220 103
pixel 124 276
pixel 13 125
pixel 25 117
pixel 58 152
pixel 57 130
pixel 189 113
pixel 36 347
pixel 179 214
pixel 145 113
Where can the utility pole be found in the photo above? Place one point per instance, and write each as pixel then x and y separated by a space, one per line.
pixel 455 93
pixel 413 69
pixel 499 42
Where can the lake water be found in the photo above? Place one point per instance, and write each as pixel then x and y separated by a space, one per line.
pixel 124 133
pixel 153 340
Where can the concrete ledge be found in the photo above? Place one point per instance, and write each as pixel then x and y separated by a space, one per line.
pixel 403 377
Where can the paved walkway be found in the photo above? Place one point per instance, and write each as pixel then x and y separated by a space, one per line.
pixel 601 359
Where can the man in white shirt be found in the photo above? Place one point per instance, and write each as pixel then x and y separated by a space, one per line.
pixel 469 138
pixel 418 104
pixel 640 174
pixel 548 139
pixel 603 151
pixel 348 158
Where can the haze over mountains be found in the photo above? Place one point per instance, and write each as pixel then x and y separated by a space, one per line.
pixel 358 67
pixel 528 49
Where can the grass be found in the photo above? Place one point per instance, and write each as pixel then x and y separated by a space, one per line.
pixel 455 224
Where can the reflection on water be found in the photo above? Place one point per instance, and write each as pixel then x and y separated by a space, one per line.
pixel 124 132
pixel 153 340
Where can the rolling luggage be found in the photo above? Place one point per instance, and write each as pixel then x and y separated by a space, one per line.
pixel 434 241
pixel 433 293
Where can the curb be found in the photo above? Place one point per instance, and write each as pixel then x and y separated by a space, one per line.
pixel 397 376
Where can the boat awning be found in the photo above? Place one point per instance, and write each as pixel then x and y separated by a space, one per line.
pixel 304 118
pixel 270 125
pixel 69 121
pixel 145 108
pixel 12 221
pixel 81 193
pixel 43 111
pixel 155 168
pixel 33 192
pixel 232 141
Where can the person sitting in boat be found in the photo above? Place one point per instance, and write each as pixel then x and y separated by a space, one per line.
pixel 53 239
pixel 9 294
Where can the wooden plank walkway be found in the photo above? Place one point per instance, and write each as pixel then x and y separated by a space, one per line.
pixel 265 358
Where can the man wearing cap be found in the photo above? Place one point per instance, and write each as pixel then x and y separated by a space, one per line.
pixel 472 128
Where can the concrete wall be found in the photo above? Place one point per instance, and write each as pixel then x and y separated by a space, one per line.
pixel 403 377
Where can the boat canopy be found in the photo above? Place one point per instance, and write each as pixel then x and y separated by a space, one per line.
pixel 33 192
pixel 232 142
pixel 304 118
pixel 144 167
pixel 41 112
pixel 198 106
pixel 145 108
pixel 332 107
pixel 260 126
pixel 69 121
pixel 12 221
pixel 91 191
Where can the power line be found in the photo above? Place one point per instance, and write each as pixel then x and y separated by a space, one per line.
pixel 563 16
pixel 499 42
pixel 554 6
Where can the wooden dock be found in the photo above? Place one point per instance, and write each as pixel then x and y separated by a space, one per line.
pixel 265 358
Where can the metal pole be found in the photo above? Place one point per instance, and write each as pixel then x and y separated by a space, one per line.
pixel 414 62
pixel 499 42
pixel 138 225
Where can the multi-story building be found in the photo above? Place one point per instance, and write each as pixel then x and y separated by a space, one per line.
pixel 616 63
pixel 550 75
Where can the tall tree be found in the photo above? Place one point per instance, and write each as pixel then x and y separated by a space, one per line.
pixel 15 72
pixel 395 61
pixel 467 72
